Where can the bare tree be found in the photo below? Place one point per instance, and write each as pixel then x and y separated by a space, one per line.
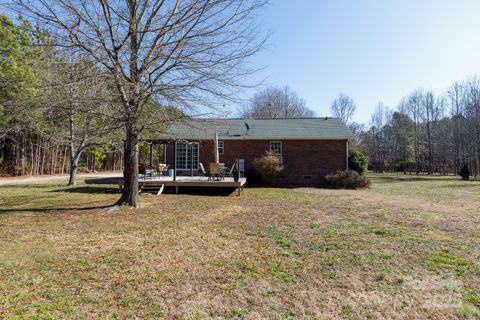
pixel 472 113
pixel 76 106
pixel 343 107
pixel 380 117
pixel 429 117
pixel 441 131
pixel 455 95
pixel 414 111
pixel 185 53
pixel 358 130
pixel 277 102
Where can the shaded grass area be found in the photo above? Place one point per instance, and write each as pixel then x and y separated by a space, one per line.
pixel 407 248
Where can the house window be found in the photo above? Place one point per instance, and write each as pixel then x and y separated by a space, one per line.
pixel 276 148
pixel 221 147
pixel 185 152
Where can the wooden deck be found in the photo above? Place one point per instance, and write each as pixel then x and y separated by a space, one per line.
pixel 157 185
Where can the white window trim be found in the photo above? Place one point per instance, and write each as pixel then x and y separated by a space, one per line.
pixel 281 148
pixel 195 164
pixel 221 149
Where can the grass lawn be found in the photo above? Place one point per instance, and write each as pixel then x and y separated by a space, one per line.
pixel 407 248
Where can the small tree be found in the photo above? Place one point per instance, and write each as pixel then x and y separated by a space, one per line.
pixel 268 167
pixel 358 161
pixel 75 106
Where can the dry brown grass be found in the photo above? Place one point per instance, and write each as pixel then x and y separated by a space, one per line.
pixel 406 248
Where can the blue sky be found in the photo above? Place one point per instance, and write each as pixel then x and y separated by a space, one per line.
pixel 371 50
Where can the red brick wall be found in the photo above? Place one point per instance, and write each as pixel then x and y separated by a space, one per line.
pixel 303 159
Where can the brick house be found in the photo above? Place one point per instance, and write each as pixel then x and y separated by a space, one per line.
pixel 310 148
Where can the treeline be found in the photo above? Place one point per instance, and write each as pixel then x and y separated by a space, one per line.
pixel 26 153
pixel 427 133
pixel 58 110
pixel 55 108
pixel 138 63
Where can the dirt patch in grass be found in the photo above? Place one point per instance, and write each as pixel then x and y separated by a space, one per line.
pixel 394 251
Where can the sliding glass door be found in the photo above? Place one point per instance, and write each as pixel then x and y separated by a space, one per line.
pixel 187 156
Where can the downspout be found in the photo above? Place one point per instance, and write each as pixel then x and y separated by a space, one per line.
pixel 346 152
pixel 244 157
pixel 175 161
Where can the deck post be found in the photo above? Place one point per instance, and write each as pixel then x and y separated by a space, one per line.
pixel 239 189
pixel 176 189
pixel 164 153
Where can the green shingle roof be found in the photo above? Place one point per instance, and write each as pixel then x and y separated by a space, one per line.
pixel 288 128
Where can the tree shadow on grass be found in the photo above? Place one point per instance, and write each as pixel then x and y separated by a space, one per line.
pixel 94 186
pixel 199 191
pixel 36 186
pixel 103 181
pixel 54 209
pixel 89 190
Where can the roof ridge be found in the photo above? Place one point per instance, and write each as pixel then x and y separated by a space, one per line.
pixel 313 127
pixel 297 118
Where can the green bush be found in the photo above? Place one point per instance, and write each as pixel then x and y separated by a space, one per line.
pixel 357 161
pixel 347 179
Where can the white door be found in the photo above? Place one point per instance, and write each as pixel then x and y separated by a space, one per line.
pixel 185 157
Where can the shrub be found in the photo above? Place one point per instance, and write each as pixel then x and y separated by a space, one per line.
pixel 357 161
pixel 268 167
pixel 347 179
pixel 464 173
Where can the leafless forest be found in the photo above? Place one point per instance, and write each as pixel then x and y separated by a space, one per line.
pixel 427 133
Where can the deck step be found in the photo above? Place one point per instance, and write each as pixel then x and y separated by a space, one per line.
pixel 156 190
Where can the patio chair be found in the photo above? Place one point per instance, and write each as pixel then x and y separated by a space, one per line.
pixel 215 171
pixel 149 173
pixel 201 168
pixel 230 172
pixel 165 170
pixel 161 169
pixel 223 170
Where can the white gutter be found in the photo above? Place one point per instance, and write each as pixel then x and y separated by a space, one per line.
pixel 265 138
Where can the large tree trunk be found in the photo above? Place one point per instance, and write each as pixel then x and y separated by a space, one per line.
pixel 72 181
pixel 130 172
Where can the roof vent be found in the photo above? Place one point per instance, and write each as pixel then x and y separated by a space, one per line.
pixel 326 118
